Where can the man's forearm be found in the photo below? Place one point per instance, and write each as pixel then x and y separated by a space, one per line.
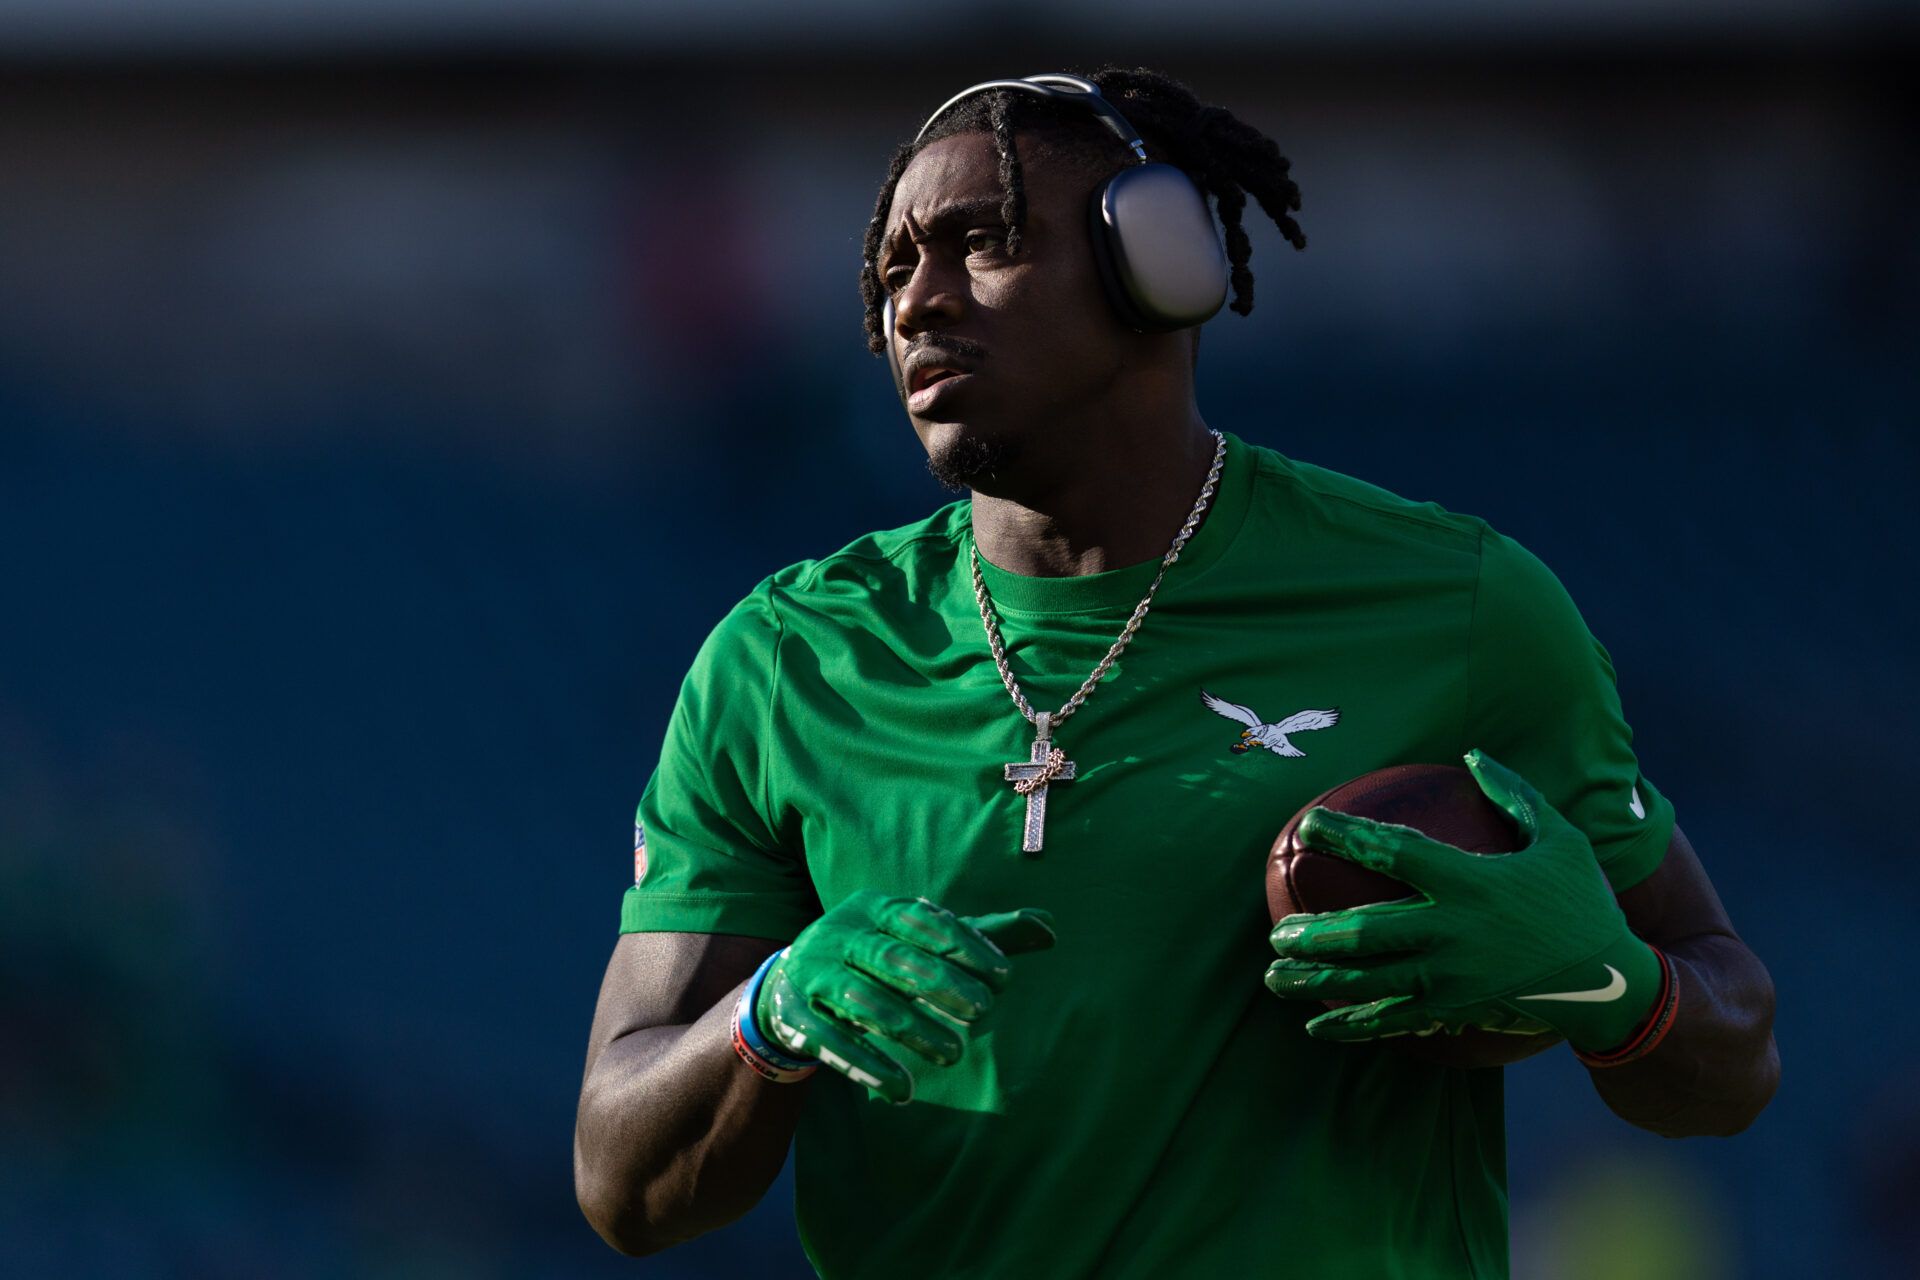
pixel 1717 1066
pixel 675 1136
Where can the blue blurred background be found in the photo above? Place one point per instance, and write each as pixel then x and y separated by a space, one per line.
pixel 392 396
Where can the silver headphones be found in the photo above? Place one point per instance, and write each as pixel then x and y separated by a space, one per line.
pixel 1154 243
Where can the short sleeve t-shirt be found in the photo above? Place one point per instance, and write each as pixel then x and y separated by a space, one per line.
pixel 1137 1103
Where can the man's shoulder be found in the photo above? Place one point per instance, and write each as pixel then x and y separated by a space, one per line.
pixel 1346 502
pixel 1388 528
pixel 881 562
pixel 838 592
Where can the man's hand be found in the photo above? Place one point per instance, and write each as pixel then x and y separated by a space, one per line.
pixel 865 979
pixel 1519 941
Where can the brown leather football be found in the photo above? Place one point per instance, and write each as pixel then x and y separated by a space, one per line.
pixel 1440 800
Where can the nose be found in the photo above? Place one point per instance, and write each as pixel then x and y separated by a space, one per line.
pixel 931 299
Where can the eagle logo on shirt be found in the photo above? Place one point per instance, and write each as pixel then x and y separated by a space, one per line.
pixel 1271 736
pixel 639 852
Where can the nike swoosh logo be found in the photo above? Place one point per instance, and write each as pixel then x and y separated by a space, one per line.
pixel 1639 809
pixel 1598 995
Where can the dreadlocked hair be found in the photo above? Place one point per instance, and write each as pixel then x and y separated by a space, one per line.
pixel 1226 157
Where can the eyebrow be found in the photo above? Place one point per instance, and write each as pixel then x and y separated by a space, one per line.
pixel 942 217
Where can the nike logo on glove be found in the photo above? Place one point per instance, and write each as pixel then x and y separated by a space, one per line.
pixel 1599 995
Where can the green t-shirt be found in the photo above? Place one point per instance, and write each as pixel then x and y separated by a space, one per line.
pixel 1137 1103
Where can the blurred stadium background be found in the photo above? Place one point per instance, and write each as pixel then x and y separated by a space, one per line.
pixel 392 395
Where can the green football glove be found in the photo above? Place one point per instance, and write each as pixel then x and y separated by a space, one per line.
pixel 868 977
pixel 1524 941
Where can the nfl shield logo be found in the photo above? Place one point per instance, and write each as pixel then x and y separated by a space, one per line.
pixel 639 853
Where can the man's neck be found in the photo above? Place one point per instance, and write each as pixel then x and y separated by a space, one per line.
pixel 1113 506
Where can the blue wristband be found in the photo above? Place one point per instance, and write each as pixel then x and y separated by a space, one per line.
pixel 750 1024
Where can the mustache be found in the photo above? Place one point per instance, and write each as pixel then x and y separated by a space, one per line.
pixel 946 344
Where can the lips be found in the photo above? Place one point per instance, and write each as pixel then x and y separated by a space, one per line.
pixel 937 390
pixel 930 365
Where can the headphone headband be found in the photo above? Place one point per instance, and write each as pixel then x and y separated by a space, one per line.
pixel 1077 89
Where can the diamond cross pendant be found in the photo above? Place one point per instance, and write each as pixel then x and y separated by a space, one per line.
pixel 1031 777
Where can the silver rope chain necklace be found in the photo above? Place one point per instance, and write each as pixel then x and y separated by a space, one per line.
pixel 1046 763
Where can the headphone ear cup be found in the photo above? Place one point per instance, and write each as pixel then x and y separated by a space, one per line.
pixel 1156 249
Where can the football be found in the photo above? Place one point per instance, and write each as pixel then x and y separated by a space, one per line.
pixel 1442 801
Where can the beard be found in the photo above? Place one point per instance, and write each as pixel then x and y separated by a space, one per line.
pixel 962 463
